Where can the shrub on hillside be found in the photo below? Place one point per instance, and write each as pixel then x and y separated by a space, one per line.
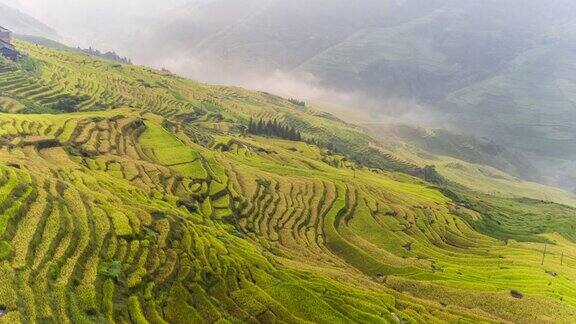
pixel 66 105
pixel 111 269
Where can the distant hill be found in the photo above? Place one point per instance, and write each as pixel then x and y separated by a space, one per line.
pixel 497 69
pixel 462 147
pixel 264 34
pixel 23 24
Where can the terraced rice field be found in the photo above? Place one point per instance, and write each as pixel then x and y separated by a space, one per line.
pixel 152 205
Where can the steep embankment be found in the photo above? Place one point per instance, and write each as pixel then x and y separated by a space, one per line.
pixel 153 204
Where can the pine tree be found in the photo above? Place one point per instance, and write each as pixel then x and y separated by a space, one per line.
pixel 274 128
pixel 268 128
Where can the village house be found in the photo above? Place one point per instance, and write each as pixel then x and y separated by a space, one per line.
pixel 6 48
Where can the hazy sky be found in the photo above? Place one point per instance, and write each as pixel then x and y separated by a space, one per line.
pixel 76 9
pixel 90 22
pixel 123 25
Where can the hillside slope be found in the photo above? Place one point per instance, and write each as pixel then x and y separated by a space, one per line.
pixel 132 195
pixel 496 69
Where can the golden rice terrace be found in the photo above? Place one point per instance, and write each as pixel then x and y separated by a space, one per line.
pixel 133 196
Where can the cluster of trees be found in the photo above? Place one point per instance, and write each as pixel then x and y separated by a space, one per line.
pixel 108 55
pixel 327 145
pixel 430 174
pixel 273 128
pixel 297 102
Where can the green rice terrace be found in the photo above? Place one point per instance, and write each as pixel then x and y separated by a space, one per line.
pixel 131 195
